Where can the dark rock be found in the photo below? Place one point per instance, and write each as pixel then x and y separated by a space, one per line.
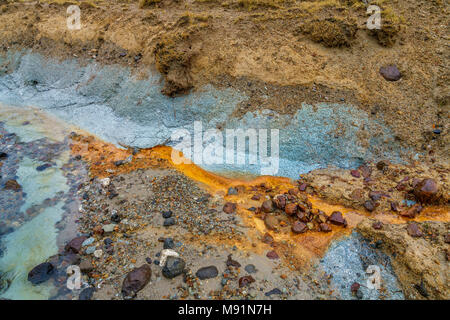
pixel 168 243
pixel 156 262
pixel 229 207
pixel 207 273
pixel 3 155
pixel 369 205
pixel 231 262
pixel 302 216
pixel 299 227
pixel 169 222
pixel 447 238
pixel 256 197
pixel 148 260
pixel 86 294
pixel 390 73
pixel 267 206
pixel 272 255
pixel 250 268
pixel 174 266
pixel 167 214
pixel 108 241
pixel 43 167
pixel 426 190
pixel 71 258
pixel 74 245
pixel 355 173
pixel 272 292
pixel 12 185
pixel 394 206
pixel 302 187
pixel 414 230
pixel 246 280
pixel 280 201
pixel 366 171
pixel 136 280
pixel 375 195
pixel 336 218
pixel 437 131
pixel 41 273
pixel 232 191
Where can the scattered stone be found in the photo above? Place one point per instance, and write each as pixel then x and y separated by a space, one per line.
pixel 71 258
pixel 107 241
pixel 169 222
pixel 86 266
pixel 3 155
pixel 381 165
pixel 105 182
pixel 267 206
pixel 136 280
pixel 207 273
pixel 377 225
pixel 411 212
pixel 426 190
pixel 115 217
pixel 366 171
pixel 90 250
pixel 375 195
pixel 86 294
pixel 256 197
pixel 272 292
pixel 229 207
pixel 421 289
pixel 173 267
pixel 394 206
pixel 390 73
pixel 168 243
pixel 245 280
pixel 148 260
pixel 302 187
pixel 75 244
pixel 43 167
pixel 355 287
pixel 355 173
pixel 109 228
pixel 267 238
pixel 167 253
pixel 250 268
pixel 231 262
pixel 369 205
pixel 271 222
pixel 272 255
pixel 167 214
pixel 414 230
pixel 41 273
pixel 324 227
pixel 232 191
pixel 299 227
pixel 12 185
pixel 336 218
pixel 290 209
pixel 88 242
pixel 447 238
pixel 98 230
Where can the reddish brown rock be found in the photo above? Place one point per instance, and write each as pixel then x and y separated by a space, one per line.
pixel 272 255
pixel 246 280
pixel 355 173
pixel 267 238
pixel 390 73
pixel 229 207
pixel 302 187
pixel 290 209
pixel 74 245
pixel 358 195
pixel 355 287
pixel 324 227
pixel 426 190
pixel 376 195
pixel 136 280
pixel 394 206
pixel 366 171
pixel 267 206
pixel 299 227
pixel 293 192
pixel 447 238
pixel 377 225
pixel 302 216
pixel 98 230
pixel 232 263
pixel 414 230
pixel 336 218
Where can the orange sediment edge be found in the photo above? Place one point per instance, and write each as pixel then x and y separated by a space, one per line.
pixel 297 250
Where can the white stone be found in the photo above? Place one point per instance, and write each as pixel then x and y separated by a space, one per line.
pixel 105 182
pixel 167 253
pixel 98 253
